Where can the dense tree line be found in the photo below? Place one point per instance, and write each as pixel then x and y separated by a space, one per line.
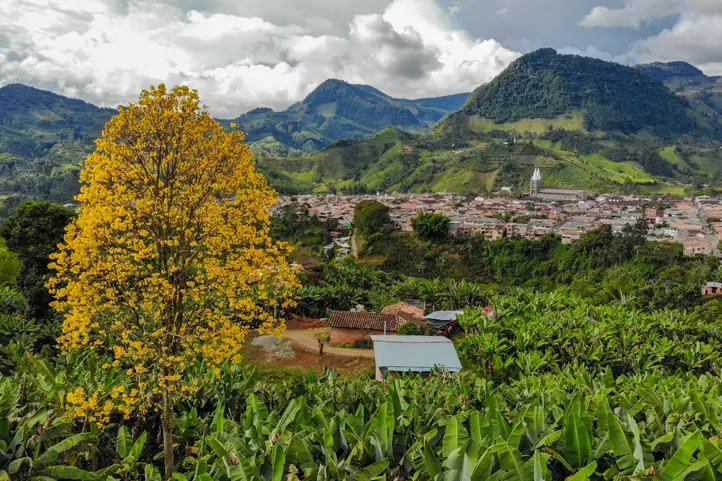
pixel 602 266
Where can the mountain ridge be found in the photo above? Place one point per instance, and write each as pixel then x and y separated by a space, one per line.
pixel 589 124
pixel 336 109
pixel 44 135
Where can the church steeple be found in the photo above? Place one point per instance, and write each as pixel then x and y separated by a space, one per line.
pixel 536 182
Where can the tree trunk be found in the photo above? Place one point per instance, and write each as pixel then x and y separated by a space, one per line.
pixel 167 422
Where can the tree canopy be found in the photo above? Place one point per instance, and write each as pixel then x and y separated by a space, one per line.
pixel 370 217
pixel 33 233
pixel 431 226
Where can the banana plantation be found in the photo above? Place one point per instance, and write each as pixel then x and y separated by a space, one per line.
pixel 553 389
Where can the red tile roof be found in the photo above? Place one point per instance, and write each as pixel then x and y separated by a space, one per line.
pixel 405 311
pixel 368 321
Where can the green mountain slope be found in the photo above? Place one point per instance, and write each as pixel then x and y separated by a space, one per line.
pixel 588 124
pixel 43 136
pixel 612 97
pixel 337 110
pixel 703 92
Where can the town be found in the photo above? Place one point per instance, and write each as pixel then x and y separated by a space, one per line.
pixel 695 223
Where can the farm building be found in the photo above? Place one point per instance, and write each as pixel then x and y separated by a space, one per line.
pixel 405 311
pixel 712 289
pixel 417 354
pixel 349 326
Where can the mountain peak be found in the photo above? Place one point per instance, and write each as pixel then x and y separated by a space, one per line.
pixel 542 55
pixel 331 83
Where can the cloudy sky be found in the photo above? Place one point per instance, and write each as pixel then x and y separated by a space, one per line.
pixel 242 54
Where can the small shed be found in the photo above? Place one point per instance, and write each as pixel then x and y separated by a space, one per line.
pixel 440 319
pixel 351 326
pixel 712 289
pixel 413 354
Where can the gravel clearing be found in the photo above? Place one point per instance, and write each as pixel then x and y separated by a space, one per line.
pixel 265 341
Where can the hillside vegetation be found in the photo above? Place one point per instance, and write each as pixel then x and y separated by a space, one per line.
pixel 337 110
pixel 612 97
pixel 43 137
pixel 588 124
pixel 703 92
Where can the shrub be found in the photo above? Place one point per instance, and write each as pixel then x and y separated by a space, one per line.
pixel 410 329
pixel 364 343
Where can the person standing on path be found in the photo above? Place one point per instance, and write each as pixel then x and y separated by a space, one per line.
pixel 320 347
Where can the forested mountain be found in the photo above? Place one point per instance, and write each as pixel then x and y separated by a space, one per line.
pixel 337 110
pixel 588 123
pixel 668 71
pixel 44 136
pixel 611 97
pixel 703 92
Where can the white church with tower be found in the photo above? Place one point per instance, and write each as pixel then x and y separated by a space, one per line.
pixel 537 191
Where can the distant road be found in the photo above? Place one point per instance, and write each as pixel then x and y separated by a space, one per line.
pixel 308 342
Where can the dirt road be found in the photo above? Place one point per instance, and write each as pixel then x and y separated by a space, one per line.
pixel 310 343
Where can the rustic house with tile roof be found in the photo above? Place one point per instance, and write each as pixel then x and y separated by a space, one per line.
pixel 347 326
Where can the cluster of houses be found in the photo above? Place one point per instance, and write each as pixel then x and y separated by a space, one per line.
pixel 694 223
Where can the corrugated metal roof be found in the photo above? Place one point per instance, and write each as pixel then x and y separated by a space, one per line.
pixel 415 353
pixel 444 315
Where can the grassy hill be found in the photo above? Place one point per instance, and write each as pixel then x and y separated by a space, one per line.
pixel 587 123
pixel 338 110
pixel 397 161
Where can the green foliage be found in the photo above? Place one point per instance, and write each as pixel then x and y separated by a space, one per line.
pixel 41 134
pixel 294 224
pixel 33 233
pixel 371 217
pixel 532 333
pixel 410 329
pixel 557 423
pixel 337 110
pixel 543 84
pixel 430 226
pixel 9 265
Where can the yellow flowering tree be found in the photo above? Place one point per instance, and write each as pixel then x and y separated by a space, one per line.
pixel 170 258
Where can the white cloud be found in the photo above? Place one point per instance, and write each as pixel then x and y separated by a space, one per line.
pixel 590 51
pixel 696 37
pixel 106 51
pixel 635 12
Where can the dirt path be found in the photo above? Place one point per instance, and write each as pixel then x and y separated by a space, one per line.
pixel 354 247
pixel 310 343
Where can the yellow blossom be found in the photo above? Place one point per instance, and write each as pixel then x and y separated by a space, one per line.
pixel 170 258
